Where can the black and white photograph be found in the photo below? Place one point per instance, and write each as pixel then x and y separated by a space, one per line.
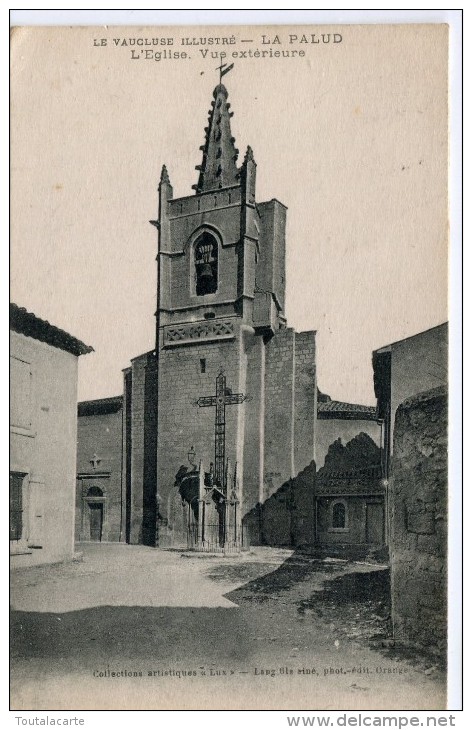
pixel 229 363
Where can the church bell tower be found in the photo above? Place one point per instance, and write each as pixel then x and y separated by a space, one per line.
pixel 221 298
pixel 220 254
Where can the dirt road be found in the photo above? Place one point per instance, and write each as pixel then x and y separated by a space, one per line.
pixel 138 628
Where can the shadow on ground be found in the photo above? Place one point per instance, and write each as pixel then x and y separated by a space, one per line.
pixel 262 585
pixel 128 633
pixel 309 596
pixel 358 602
pixel 302 565
pixel 204 634
pixel 351 598
pixel 361 603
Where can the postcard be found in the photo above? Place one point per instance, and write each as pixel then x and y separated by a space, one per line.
pixel 229 367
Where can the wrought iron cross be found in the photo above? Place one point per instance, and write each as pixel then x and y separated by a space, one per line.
pixel 219 401
pixel 223 68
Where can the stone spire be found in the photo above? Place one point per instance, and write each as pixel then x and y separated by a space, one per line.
pixel 218 168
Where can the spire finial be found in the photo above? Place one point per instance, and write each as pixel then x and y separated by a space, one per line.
pixel 249 156
pixel 164 175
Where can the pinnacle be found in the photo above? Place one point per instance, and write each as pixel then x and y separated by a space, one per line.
pixel 220 90
pixel 164 175
pixel 249 156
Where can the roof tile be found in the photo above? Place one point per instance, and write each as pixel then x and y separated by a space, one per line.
pixel 27 323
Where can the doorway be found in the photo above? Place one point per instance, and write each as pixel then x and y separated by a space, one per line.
pixel 374 523
pixel 96 521
pixel 94 515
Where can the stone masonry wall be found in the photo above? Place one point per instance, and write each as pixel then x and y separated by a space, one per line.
pixel 355 532
pixel 351 474
pixel 101 434
pixel 252 478
pixel 286 518
pixel 419 363
pixel 260 433
pixel 279 410
pixel 270 270
pixel 143 454
pixel 305 397
pixel 183 424
pixel 177 286
pixel 418 514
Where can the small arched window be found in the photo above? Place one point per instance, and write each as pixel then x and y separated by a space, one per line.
pixel 206 264
pixel 339 515
pixel 94 492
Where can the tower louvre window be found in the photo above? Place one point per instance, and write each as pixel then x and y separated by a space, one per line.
pixel 206 264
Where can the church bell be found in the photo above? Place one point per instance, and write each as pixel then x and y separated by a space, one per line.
pixel 206 273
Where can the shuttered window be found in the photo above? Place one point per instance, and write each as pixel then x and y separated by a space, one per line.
pixel 20 393
pixel 16 506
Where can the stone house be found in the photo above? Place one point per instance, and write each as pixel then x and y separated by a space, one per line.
pixel 350 495
pixel 410 380
pixel 403 369
pixel 340 420
pixel 100 499
pixel 43 438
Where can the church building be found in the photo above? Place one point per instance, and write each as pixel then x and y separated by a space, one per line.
pixel 225 409
pixel 221 300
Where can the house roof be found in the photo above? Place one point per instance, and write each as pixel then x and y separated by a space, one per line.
pixel 27 323
pixel 387 348
pixel 100 406
pixel 346 411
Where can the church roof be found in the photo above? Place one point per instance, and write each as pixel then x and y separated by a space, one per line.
pixel 100 406
pixel 218 168
pixel 346 411
pixel 27 323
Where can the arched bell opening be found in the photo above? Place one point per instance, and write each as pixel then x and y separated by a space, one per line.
pixel 206 264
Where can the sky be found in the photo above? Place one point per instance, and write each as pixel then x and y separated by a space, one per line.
pixel 351 137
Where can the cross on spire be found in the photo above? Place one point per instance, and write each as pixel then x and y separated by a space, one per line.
pixel 223 70
pixel 219 401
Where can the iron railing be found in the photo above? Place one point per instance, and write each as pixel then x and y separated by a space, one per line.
pixel 216 539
